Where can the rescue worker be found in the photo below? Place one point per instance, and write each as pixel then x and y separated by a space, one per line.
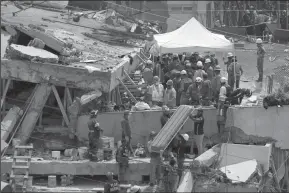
pixel 126 130
pixel 185 83
pixel 122 158
pixel 156 91
pixel 237 96
pixel 94 135
pixel 206 91
pixel 112 186
pixel 148 73
pixel 170 95
pixel 230 58
pixel 233 78
pixel 199 72
pixel 158 71
pixel 216 83
pixel 177 86
pixel 166 115
pixel 175 62
pixel 260 58
pixel 221 105
pixel 214 60
pixel 152 135
pixel 181 149
pixel 208 69
pixel 193 92
pixel 171 177
pixel 189 69
pixel 198 137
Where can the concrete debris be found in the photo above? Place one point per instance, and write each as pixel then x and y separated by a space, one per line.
pixel 37 43
pixel 31 53
pixel 240 172
pixel 208 158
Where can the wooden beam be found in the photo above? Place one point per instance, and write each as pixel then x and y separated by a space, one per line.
pixel 69 98
pixel 60 105
pixel 128 77
pixel 5 92
pixel 64 104
pixel 129 93
pixel 275 174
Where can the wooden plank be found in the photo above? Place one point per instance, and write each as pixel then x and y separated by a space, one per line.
pixel 127 90
pixel 69 98
pixel 171 128
pixel 64 105
pixel 5 92
pixel 129 79
pixel 60 105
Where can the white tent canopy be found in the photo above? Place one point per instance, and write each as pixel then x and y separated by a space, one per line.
pixel 190 37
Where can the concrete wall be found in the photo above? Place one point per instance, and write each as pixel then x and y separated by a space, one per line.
pixel 273 122
pixel 142 123
pixel 4 42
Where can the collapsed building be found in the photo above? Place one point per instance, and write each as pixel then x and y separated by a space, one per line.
pixel 53 67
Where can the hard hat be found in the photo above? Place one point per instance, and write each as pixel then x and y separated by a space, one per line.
pixel 153 133
pixel 200 109
pixel 199 64
pixel 187 61
pixel 175 55
pixel 230 55
pixel 188 64
pixel 94 113
pixel 166 108
pixel 199 79
pixel 183 72
pixel 208 60
pixel 149 62
pixel 134 189
pixel 170 82
pixel 259 41
pixel 156 78
pixel 217 68
pixel 185 137
pixel 223 80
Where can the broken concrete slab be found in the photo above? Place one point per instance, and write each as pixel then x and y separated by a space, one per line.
pixel 186 183
pixel 31 53
pixel 4 42
pixel 90 97
pixel 3 145
pixel 37 43
pixel 240 172
pixel 208 157
pixel 9 121
pixel 234 153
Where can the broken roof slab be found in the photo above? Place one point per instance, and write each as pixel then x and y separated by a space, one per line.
pixel 102 74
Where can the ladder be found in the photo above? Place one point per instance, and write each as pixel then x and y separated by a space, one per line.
pixel 24 159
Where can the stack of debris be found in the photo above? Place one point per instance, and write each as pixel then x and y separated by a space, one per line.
pixel 237 168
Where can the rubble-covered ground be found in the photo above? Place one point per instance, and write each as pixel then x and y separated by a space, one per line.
pixel 60 26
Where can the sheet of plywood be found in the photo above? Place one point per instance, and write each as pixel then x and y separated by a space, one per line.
pixel 171 128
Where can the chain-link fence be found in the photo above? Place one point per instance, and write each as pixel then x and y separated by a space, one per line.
pixel 278 79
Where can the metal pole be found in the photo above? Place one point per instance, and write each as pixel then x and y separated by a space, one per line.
pixel 278 14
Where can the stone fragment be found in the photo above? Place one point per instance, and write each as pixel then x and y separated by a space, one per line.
pixel 31 53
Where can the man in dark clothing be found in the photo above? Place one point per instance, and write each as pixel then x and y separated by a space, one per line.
pixel 214 60
pixel 166 115
pixel 112 186
pixel 181 147
pixel 94 135
pixel 237 96
pixel 260 58
pixel 198 130
pixel 122 159
pixel 235 71
pixel 246 18
pixel 126 130
pixel 206 91
pixel 216 83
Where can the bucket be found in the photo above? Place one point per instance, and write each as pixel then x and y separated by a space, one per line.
pixel 55 155
pixel 82 151
pixel 52 181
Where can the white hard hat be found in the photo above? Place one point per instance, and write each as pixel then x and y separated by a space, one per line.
pixel 134 189
pixel 199 79
pixel 183 72
pixel 149 62
pixel 230 55
pixel 223 80
pixel 208 60
pixel 185 136
pixel 199 64
pixel 259 41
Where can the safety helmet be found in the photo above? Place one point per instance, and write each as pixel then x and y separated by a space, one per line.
pixel 94 113
pixel 183 72
pixel 166 108
pixel 149 62
pixel 223 80
pixel 170 82
pixel 134 189
pixel 208 60
pixel 187 61
pixel 185 137
pixel 259 41
pixel 199 64
pixel 153 133
pixel 199 79
pixel 188 64
pixel 217 68
pixel 230 54
pixel 156 78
